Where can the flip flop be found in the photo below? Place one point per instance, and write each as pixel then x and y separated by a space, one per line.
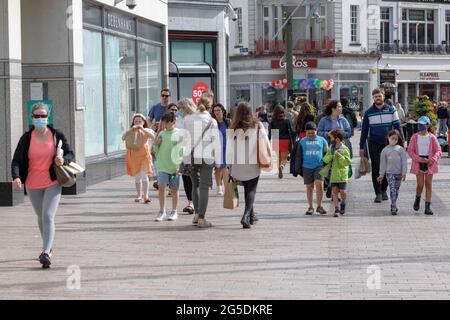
pixel 189 209
pixel 148 200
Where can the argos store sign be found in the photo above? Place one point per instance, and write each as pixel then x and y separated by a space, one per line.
pixel 299 64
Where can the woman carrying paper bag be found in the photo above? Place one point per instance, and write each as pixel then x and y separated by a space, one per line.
pixel 246 137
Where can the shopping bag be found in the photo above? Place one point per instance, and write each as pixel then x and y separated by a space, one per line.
pixel 364 166
pixel 231 196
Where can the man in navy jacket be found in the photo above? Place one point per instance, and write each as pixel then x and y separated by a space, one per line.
pixel 378 120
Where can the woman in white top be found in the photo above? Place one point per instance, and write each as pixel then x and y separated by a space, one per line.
pixel 242 156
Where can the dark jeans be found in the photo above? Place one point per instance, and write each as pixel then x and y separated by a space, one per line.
pixel 187 182
pixel 250 194
pixel 375 153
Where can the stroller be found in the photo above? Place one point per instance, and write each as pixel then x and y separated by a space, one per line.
pixel 442 139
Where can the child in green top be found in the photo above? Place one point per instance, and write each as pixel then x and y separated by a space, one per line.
pixel 338 157
pixel 169 155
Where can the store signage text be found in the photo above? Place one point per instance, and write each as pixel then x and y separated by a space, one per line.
pixel 429 75
pixel 300 63
pixel 387 76
pixel 119 22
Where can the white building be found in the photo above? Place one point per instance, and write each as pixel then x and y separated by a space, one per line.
pixel 95 62
pixel 353 42
pixel 198 42
pixel 415 42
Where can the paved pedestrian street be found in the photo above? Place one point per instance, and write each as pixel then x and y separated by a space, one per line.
pixel 108 247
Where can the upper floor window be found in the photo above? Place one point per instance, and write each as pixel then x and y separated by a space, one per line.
pixel 385 27
pixel 354 23
pixel 238 26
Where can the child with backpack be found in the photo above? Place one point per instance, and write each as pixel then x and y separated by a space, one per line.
pixel 393 164
pixel 337 169
pixel 425 152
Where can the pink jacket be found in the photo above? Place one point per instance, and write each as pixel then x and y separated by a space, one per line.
pixel 435 154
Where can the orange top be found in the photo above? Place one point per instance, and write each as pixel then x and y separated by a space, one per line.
pixel 40 157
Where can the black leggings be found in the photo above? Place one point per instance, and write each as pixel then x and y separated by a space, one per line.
pixel 375 153
pixel 250 193
pixel 187 182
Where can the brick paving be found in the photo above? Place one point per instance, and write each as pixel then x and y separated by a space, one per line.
pixel 123 254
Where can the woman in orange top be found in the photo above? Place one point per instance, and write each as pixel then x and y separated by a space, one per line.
pixel 139 161
pixel 32 166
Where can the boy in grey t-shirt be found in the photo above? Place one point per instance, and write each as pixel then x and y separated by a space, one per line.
pixel 393 164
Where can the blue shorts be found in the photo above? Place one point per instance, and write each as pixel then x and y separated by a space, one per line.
pixel 340 185
pixel 171 180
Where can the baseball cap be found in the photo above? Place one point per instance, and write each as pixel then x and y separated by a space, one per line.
pixel 424 120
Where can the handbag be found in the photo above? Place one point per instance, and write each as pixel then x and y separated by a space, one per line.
pixel 187 169
pixel 133 140
pixel 231 196
pixel 263 153
pixel 65 177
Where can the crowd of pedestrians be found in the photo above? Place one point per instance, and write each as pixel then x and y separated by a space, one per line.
pixel 192 143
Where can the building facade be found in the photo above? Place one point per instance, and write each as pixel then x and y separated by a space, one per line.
pixel 415 44
pixel 198 48
pixel 328 47
pixel 359 44
pixel 93 62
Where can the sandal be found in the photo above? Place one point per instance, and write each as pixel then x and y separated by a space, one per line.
pixel 137 200
pixel 189 209
pixel 147 200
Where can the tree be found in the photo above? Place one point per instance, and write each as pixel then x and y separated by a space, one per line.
pixel 424 107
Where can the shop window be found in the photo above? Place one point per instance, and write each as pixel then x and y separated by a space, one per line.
pixel 120 88
pixel 150 74
pixel 93 94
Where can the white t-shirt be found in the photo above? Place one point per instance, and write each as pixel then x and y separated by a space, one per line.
pixel 424 145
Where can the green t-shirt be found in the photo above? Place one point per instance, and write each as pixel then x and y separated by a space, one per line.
pixel 169 154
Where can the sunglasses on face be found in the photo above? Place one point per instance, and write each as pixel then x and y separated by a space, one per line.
pixel 165 95
pixel 173 110
pixel 37 116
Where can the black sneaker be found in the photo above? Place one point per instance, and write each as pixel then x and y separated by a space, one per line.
pixel 310 212
pixel 378 198
pixel 394 211
pixel 44 259
pixel 336 212
pixel 384 196
pixel 342 208
pixel 280 172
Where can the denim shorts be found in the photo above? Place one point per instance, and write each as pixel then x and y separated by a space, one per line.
pixel 171 180
pixel 340 185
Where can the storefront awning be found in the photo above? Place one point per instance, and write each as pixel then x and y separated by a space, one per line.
pixel 190 68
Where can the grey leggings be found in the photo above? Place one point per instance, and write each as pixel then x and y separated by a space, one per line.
pixel 45 203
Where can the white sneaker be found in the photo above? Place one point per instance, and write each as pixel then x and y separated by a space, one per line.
pixel 220 191
pixel 161 216
pixel 173 215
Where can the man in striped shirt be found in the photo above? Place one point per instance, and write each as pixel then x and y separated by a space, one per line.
pixel 379 119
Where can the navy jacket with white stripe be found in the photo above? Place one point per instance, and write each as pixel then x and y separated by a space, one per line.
pixel 377 123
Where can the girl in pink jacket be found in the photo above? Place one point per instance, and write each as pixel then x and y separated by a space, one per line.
pixel 425 152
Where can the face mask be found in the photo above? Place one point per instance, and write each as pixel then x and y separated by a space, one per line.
pixel 422 127
pixel 393 141
pixel 40 123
